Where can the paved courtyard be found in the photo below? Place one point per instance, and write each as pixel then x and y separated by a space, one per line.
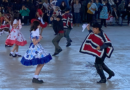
pixel 70 70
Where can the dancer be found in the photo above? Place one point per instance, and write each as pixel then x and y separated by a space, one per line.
pixel 98 44
pixel 40 18
pixel 36 55
pixel 67 18
pixel 16 37
pixel 7 27
pixel 56 13
pixel 60 31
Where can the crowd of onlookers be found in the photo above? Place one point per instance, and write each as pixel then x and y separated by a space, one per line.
pixel 84 11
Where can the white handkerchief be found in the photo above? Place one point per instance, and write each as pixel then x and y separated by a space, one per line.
pixel 4 23
pixel 84 27
pixel 42 21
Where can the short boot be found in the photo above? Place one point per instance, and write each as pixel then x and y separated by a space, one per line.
pixel 110 72
pixel 101 73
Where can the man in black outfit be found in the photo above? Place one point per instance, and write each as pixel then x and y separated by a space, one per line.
pixel 99 62
pixel 60 31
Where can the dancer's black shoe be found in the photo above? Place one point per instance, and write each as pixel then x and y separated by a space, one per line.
pixel 36 80
pixel 102 81
pixel 12 55
pixel 69 44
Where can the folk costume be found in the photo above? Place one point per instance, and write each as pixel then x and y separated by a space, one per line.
pixel 5 26
pixel 40 19
pixel 15 36
pixel 36 54
pixel 89 46
pixel 67 19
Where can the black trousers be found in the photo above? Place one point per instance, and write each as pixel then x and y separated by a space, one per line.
pixel 24 19
pixel 54 24
pixel 89 18
pixel 99 60
pixel 101 67
pixel 103 21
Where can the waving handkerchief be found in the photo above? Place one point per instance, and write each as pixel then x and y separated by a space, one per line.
pixel 84 27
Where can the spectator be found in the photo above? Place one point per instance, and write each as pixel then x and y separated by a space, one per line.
pixel 5 4
pixel 117 3
pixel 97 13
pixel 28 4
pixel 60 1
pixel 25 14
pixel 128 10
pixel 92 7
pixel 122 11
pixel 104 14
pixel 32 13
pixel 1 15
pixel 83 11
pixel 72 2
pixel 53 3
pixel 77 7
pixel 116 15
pixel 23 2
pixel 37 3
pixel 16 6
pixel 46 4
pixel 108 6
pixel 111 2
pixel 63 7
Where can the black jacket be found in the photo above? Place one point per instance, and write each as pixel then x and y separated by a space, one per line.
pixel 114 15
pixel 58 25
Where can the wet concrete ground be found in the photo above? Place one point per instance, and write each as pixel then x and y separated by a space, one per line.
pixel 70 70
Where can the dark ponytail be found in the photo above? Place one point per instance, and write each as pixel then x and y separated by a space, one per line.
pixel 34 25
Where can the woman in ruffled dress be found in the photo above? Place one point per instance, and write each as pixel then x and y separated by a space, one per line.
pixel 39 17
pixel 36 55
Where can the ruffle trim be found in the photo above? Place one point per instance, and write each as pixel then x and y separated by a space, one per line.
pixel 9 42
pixel 42 25
pixel 36 61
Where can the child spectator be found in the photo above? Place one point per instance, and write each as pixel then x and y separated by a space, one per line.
pixel 104 14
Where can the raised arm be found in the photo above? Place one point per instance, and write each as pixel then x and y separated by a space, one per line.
pixel 88 28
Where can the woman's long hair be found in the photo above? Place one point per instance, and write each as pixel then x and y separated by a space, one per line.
pixel 34 25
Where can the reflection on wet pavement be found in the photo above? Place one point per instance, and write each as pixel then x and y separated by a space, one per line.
pixel 70 70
